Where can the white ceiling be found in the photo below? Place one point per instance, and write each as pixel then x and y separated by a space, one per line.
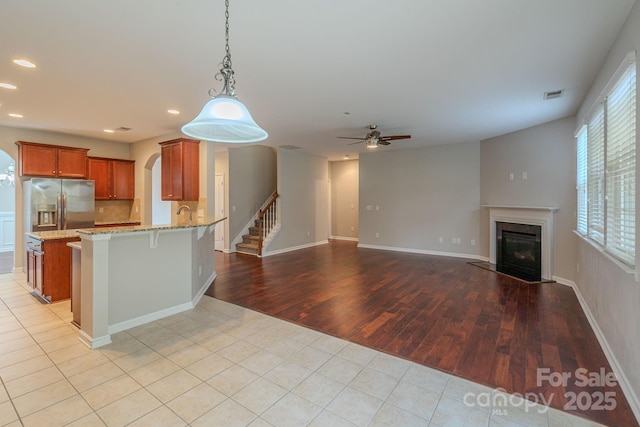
pixel 444 71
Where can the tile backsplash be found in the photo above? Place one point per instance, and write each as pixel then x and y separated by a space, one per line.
pixel 117 211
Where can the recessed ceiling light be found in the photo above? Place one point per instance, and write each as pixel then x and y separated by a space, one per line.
pixel 8 86
pixel 17 116
pixel 24 63
pixel 173 111
pixel 108 130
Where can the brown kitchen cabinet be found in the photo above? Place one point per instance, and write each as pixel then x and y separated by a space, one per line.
pixel 114 178
pixel 180 169
pixel 49 267
pixel 51 160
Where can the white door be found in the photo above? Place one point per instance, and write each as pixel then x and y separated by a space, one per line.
pixel 219 211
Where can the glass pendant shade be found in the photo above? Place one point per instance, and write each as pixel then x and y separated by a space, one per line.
pixel 225 119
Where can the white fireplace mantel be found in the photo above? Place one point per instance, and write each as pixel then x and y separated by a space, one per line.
pixel 532 215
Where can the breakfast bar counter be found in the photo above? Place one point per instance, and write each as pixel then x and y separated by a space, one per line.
pixel 133 275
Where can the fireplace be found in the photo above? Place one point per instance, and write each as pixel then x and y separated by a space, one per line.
pixel 537 216
pixel 519 250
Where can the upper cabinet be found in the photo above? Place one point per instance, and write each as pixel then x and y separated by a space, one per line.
pixel 181 169
pixel 115 178
pixel 51 160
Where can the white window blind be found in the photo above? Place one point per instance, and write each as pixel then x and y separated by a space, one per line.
pixel 606 168
pixel 595 175
pixel 621 167
pixel 581 180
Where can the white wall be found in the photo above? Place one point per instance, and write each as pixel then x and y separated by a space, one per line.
pixel 423 194
pixel 612 295
pixel 344 199
pixel 547 154
pixel 303 185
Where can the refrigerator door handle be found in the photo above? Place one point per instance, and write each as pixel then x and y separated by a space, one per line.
pixel 64 211
pixel 59 212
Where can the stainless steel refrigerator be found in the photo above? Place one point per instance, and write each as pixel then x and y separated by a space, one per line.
pixel 58 204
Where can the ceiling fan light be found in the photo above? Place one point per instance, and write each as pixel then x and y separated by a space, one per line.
pixel 225 119
pixel 371 143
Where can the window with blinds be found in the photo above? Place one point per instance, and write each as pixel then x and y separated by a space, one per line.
pixel 581 180
pixel 606 168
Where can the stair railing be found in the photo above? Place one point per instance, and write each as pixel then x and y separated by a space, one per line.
pixel 267 219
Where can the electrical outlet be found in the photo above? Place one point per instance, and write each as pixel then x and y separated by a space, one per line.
pixel 369 207
pixel 473 242
pixel 524 175
pixel 353 228
pixel 377 207
pixel 100 210
pixel 511 176
pixel 308 234
pixel 441 239
pixel 458 241
pixel 137 209
pixel 453 240
pixel 377 234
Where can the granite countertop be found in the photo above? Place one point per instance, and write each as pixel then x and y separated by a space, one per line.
pixel 115 223
pixel 67 234
pixel 53 235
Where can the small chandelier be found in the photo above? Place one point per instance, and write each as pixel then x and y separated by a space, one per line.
pixel 8 178
pixel 224 118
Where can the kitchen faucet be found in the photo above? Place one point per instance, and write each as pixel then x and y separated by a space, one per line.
pixel 181 208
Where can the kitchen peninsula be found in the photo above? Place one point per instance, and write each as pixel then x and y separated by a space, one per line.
pixel 134 275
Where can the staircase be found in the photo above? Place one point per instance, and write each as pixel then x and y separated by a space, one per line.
pixel 250 242
pixel 265 227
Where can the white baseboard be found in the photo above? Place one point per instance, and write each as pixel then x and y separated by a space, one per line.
pixel 424 252
pixel 349 239
pixel 160 314
pixel 629 393
pixel 295 248
pixel 93 343
pixel 196 299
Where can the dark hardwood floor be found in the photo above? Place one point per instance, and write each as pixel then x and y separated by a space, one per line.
pixel 438 311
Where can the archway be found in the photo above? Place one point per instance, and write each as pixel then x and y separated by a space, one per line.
pixel 7 212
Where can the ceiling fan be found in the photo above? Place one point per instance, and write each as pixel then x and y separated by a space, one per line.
pixel 373 138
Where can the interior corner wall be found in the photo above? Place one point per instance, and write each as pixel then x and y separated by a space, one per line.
pixel 252 180
pixel 546 153
pixel 304 200
pixel 612 295
pixel 413 197
pixel 344 198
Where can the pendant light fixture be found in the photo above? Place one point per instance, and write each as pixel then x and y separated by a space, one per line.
pixel 224 118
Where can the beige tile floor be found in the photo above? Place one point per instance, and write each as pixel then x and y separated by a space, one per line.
pixel 223 365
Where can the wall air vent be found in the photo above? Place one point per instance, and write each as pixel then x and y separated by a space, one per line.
pixel 123 129
pixel 289 147
pixel 553 94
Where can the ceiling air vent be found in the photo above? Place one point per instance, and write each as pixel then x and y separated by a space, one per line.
pixel 553 94
pixel 123 129
pixel 289 147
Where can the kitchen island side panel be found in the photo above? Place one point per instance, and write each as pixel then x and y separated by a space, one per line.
pixel 145 279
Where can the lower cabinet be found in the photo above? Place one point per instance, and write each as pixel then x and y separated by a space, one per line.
pixel 49 269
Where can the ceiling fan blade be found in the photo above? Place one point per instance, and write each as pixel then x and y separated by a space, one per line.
pixel 346 137
pixel 359 142
pixel 383 142
pixel 394 137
